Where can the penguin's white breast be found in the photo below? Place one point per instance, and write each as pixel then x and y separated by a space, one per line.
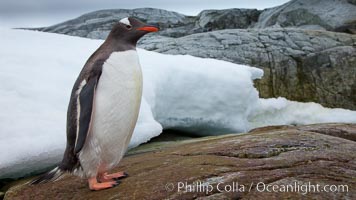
pixel 117 104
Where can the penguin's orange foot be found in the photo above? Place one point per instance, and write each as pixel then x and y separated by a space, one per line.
pixel 94 185
pixel 116 176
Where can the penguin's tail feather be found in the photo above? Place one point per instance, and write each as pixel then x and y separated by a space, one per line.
pixel 50 176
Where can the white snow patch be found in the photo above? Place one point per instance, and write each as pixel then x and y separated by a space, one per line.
pixel 202 96
pixel 280 111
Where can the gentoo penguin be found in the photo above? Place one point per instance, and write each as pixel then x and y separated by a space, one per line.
pixel 103 108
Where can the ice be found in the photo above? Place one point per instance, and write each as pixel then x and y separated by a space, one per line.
pixel 200 96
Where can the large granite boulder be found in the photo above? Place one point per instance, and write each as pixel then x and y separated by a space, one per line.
pixel 228 167
pixel 301 65
pixel 311 14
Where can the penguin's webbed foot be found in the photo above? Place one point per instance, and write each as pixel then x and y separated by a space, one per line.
pixel 95 185
pixel 115 176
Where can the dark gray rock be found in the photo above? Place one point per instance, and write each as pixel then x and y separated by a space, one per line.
pixel 211 20
pixel 352 1
pixel 327 14
pixel 301 65
pixel 97 24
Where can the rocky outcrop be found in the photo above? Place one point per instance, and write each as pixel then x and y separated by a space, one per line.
pixel 211 20
pixel 311 14
pixel 298 156
pixel 339 16
pixel 301 65
pixel 97 24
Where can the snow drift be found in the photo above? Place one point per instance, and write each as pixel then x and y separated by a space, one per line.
pixel 201 96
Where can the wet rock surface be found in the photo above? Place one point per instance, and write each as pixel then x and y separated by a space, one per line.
pixel 279 155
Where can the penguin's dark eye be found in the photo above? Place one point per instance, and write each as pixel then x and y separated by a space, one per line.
pixel 128 26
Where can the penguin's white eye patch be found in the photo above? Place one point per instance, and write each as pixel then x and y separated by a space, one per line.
pixel 126 22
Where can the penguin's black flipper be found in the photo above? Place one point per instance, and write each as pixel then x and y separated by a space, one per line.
pixel 86 101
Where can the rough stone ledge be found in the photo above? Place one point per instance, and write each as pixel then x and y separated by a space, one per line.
pixel 321 154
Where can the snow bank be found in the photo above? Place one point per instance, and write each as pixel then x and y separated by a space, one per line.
pixel 202 96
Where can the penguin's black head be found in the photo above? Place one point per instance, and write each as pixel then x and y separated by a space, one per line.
pixel 130 30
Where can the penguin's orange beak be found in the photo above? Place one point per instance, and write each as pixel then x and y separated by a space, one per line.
pixel 148 29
